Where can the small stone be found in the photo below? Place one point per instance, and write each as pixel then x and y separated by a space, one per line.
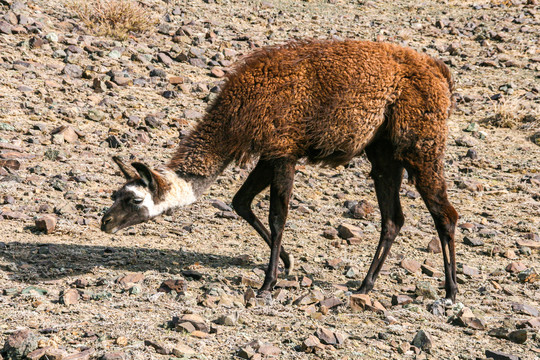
pixel 121 340
pixel 434 246
pixel 401 300
pixel 306 282
pixel 268 350
pixel 95 115
pixel 361 210
pixel 182 350
pixel 176 80
pixel 46 223
pixel 310 344
pixel 518 336
pixel 114 355
pixel 515 267
pixel 227 320
pixel 424 288
pixel 159 347
pixel 466 318
pixel 528 276
pixel 359 302
pixel 113 141
pixel 429 271
pixel 217 72
pixel 178 285
pixel 330 233
pixel 19 344
pixel 129 280
pixel 410 265
pixel 497 355
pixel 246 352
pixel 196 321
pixel 73 71
pixel 326 336
pixel 470 271
pixel 525 309
pixel 70 297
pixel 422 340
pixel 164 58
pixel 346 231
pixel 331 302
pixel 472 241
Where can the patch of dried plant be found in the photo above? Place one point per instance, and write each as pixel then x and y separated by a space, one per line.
pixel 114 18
pixel 508 113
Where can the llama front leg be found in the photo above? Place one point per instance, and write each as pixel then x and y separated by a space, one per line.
pixel 258 180
pixel 387 174
pixel 280 194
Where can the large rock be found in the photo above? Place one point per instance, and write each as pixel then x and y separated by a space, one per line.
pixel 20 344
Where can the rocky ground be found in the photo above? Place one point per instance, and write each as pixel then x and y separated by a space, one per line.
pixel 180 286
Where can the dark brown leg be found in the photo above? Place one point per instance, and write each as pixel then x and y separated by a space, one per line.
pixel 259 178
pixel 280 194
pixel 387 174
pixel 432 186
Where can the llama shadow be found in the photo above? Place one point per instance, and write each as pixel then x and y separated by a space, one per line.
pixel 35 262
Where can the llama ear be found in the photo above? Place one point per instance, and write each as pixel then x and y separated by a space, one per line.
pixel 126 170
pixel 146 174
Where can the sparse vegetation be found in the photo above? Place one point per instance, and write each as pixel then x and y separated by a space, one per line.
pixel 505 113
pixel 115 18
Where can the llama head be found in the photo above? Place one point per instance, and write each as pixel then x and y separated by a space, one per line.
pixel 146 194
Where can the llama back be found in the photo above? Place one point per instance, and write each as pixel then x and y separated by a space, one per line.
pixel 323 100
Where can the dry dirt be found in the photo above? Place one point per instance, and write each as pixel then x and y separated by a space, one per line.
pixel 493 50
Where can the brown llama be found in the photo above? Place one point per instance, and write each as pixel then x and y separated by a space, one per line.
pixel 327 102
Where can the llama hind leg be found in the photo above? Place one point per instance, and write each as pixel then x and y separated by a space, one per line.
pixel 387 174
pixel 258 180
pixel 431 185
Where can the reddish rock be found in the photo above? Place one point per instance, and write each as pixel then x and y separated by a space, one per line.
pixel 46 223
pixel 129 280
pixel 401 300
pixel 515 267
pixel 434 246
pixel 359 302
pixel 178 285
pixel 70 297
pixel 410 265
pixel 346 231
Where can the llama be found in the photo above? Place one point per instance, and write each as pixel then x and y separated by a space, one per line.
pixel 324 101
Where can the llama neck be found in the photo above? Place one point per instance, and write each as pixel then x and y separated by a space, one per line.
pixel 199 158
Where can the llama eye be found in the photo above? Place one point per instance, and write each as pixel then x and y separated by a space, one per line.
pixel 137 201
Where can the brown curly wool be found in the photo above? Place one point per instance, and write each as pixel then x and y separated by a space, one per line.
pixel 324 100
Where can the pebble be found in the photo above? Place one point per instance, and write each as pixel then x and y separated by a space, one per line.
pixel 422 340
pixel 20 343
pixel 497 355
pixel 346 231
pixel 410 265
pixel 178 285
pixel 359 302
pixel 46 223
pixel 424 288
pixel 70 297
pixel 434 246
pixel 73 71
pixel 401 300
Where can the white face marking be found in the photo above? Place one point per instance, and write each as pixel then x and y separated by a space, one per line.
pixel 180 194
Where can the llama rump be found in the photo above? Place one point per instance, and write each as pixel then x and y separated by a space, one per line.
pixel 324 101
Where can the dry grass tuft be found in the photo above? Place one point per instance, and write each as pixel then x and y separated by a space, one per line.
pixel 505 114
pixel 115 18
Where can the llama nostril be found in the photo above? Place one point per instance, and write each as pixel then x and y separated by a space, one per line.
pixel 106 220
